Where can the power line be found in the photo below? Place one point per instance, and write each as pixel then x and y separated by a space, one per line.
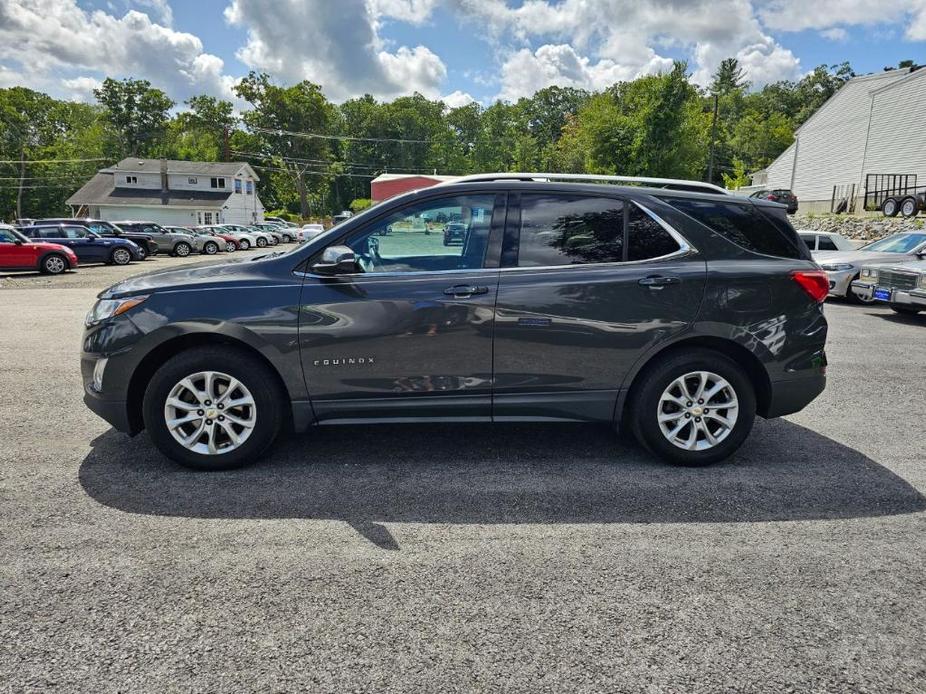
pixel 349 138
pixel 50 161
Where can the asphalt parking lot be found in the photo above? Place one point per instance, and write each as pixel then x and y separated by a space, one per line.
pixel 459 558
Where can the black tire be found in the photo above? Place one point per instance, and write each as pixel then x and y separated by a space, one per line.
pixel 261 242
pixel 120 256
pixel 905 310
pixel 210 248
pixel 182 249
pixel 909 207
pixel 253 373
pixel 54 264
pixel 287 238
pixel 644 406
pixel 245 244
pixel 854 298
pixel 142 252
pixel 890 207
pixel 230 247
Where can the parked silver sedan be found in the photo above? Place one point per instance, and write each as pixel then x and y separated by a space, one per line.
pixel 201 243
pixel 842 267
pixel 900 285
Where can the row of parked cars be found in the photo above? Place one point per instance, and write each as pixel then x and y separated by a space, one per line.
pixel 891 270
pixel 54 246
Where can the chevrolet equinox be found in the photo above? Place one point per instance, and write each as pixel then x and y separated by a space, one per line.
pixel 668 309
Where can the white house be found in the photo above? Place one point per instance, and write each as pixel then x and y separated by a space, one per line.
pixel 168 191
pixel 875 125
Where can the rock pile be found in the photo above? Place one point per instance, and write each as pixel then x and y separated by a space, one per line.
pixel 858 228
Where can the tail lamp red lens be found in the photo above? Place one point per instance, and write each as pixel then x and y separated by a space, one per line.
pixel 814 282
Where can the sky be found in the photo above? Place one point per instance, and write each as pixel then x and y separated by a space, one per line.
pixel 457 50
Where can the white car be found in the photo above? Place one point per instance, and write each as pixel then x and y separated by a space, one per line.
pixel 259 239
pixel 246 241
pixel 844 267
pixel 825 240
pixel 309 232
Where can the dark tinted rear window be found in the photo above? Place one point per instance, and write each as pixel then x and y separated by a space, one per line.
pixel 740 223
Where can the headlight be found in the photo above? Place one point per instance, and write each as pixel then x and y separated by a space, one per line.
pixel 836 267
pixel 869 274
pixel 921 282
pixel 107 308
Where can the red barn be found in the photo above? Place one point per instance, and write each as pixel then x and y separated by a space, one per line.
pixel 388 185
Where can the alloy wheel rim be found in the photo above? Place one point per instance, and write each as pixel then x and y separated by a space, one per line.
pixel 697 411
pixel 211 248
pixel 54 265
pixel 229 247
pixel 210 413
pixel 122 257
pixel 182 250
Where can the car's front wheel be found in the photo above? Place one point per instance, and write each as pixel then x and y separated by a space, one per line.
pixel 245 244
pixel 213 408
pixel 182 249
pixel 229 247
pixel 693 408
pixel 210 248
pixel 261 242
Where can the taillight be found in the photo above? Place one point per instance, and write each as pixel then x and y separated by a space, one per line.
pixel 814 282
pixel 773 198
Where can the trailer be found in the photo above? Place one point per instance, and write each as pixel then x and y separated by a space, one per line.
pixel 894 194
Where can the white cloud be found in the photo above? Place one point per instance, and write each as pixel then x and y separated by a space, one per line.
pixel 457 98
pixel 81 88
pixel 797 15
pixel 55 39
pixel 837 34
pixel 336 45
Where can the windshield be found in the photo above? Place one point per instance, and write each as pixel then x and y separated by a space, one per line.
pixel 898 243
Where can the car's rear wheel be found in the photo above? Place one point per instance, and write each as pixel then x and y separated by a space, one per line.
pixel 182 249
pixel 120 256
pixel 908 207
pixel 210 248
pixel 245 244
pixel 53 264
pixel 905 310
pixel 693 408
pixel 213 408
pixel 261 242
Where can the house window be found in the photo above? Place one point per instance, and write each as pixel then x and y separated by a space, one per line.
pixel 218 182
pixel 207 217
pixel 237 185
pixel 249 186
pixel 131 179
pixel 192 180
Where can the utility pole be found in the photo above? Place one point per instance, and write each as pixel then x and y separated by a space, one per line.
pixel 226 153
pixel 710 164
pixel 22 175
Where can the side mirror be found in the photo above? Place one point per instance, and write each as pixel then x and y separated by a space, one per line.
pixel 18 241
pixel 336 260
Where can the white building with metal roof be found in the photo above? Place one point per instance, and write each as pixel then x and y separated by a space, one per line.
pixel 874 126
pixel 168 191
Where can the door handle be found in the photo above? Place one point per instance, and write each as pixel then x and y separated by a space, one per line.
pixel 658 281
pixel 461 291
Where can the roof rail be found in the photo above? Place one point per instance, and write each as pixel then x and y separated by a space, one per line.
pixel 670 183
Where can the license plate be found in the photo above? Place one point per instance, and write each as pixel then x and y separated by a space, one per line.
pixel 882 294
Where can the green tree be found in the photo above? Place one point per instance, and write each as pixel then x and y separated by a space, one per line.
pixel 288 122
pixel 137 113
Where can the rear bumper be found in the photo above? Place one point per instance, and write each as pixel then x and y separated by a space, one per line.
pixel 788 397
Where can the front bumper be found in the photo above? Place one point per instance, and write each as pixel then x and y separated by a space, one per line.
pixel 114 412
pixel 840 281
pixel 902 297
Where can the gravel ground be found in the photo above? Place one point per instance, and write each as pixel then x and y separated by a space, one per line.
pixel 453 558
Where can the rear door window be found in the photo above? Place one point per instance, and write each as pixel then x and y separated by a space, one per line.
pixel 825 243
pixel 570 230
pixel 741 223
pixel 647 239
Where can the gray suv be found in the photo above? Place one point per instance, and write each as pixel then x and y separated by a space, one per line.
pixel 675 314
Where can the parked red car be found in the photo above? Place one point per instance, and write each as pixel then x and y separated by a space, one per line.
pixel 20 253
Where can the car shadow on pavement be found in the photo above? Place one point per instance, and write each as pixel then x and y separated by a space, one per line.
pixel 367 475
